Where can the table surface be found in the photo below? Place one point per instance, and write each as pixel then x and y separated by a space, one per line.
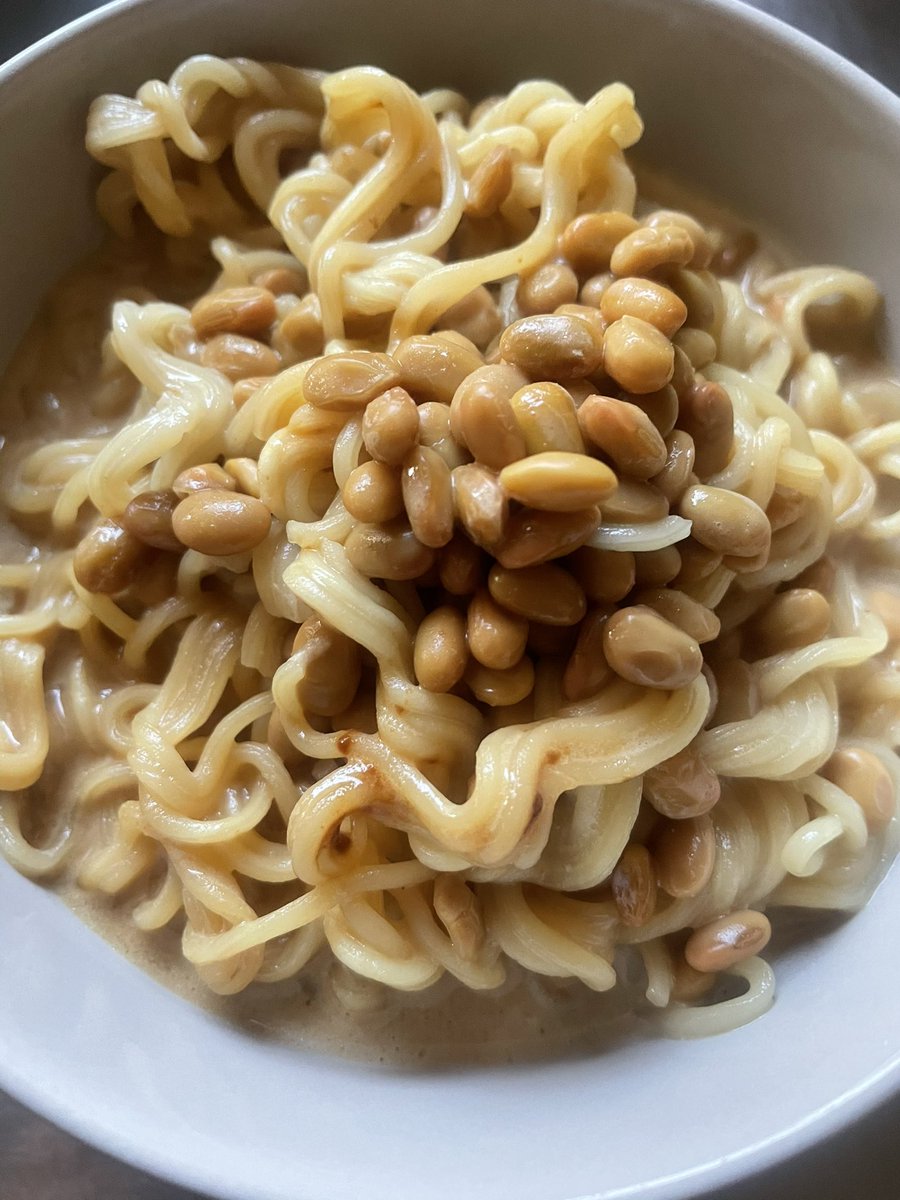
pixel 40 1162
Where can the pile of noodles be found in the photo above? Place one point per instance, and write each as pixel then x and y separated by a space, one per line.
pixel 166 788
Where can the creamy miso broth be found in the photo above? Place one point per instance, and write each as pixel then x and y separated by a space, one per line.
pixel 451 589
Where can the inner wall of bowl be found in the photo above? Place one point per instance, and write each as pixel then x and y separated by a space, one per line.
pixel 732 113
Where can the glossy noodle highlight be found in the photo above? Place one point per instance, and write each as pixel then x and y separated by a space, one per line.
pixel 478 570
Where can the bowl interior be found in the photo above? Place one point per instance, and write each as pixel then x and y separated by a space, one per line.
pixel 785 135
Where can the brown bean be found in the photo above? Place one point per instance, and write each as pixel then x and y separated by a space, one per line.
pixel 490 183
pixel 558 347
pixel 726 522
pixel 459 339
pixel 703 249
pixel 584 312
pixel 795 618
pixel 864 777
pixel 728 941
pixel 635 502
pixel 372 493
pixel 645 649
pixel 587 670
pixel 589 240
pixel 637 356
pixel 281 281
pixel 245 310
pixel 332 666
pixel 582 388
pixel 106 559
pixel 606 576
pixel 558 481
pixel 545 414
pixel 706 413
pixel 476 239
pixel 390 426
pixel 496 637
pixel 685 853
pixel 482 418
pixel 656 568
pixel 476 316
pixel 500 688
pixel 682 786
pixel 651 302
pixel 430 578
pixel 593 288
pixel 237 357
pixel 694 618
pixel 432 367
pixel 679 466
pixel 203 477
pixel 625 433
pixel 702 298
pixel 545 288
pixel 697 562
pixel 682 373
pixel 699 346
pixel 390 551
pixel 480 503
pixel 821 575
pixel 301 328
pixel 428 496
pixel 244 389
pixel 533 537
pixel 461 566
pixel 634 885
pixel 148 517
pixel 440 655
pixel 435 432
pixel 347 381
pixel 745 565
pixel 660 406
pixel 367 328
pixel 547 593
pixel 219 523
pixel 649 248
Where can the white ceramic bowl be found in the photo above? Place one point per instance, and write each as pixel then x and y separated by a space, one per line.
pixel 795 139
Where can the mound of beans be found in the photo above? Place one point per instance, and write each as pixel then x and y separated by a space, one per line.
pixel 489 467
pixel 489 464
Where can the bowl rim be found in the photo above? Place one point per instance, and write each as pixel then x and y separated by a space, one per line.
pixel 100 1129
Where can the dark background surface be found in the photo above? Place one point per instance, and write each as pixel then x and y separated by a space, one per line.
pixel 39 1162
